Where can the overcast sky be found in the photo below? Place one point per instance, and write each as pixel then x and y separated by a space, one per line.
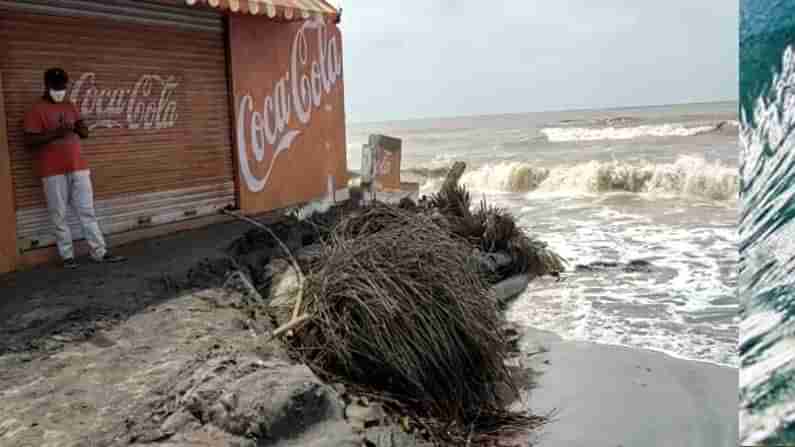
pixel 430 58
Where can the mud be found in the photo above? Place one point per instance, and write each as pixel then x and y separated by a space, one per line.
pixel 46 307
pixel 168 349
pixel 162 350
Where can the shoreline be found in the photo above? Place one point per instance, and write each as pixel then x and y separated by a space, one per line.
pixel 603 392
pixel 669 354
pixel 613 395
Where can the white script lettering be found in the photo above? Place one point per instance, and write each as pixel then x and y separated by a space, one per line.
pixel 137 107
pixel 299 92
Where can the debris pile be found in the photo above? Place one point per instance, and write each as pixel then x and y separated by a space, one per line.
pixel 395 302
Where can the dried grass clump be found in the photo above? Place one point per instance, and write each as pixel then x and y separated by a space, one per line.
pixel 372 219
pixel 406 312
pixel 453 202
pixel 494 229
pixel 500 233
pixel 395 303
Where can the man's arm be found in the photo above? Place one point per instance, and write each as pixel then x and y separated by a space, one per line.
pixel 37 140
pixel 36 133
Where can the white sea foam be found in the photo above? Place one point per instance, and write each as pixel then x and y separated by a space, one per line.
pixel 687 176
pixel 564 134
pixel 613 211
pixel 763 422
pixel 766 240
pixel 669 309
pixel 659 310
pixel 506 177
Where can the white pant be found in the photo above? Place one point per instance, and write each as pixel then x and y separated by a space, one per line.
pixel 73 188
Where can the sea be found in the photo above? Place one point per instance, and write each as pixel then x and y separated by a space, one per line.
pixel 766 226
pixel 641 202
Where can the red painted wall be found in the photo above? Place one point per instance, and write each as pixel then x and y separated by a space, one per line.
pixel 289 113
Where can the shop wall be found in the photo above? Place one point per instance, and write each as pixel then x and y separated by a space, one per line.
pixel 288 111
pixel 156 100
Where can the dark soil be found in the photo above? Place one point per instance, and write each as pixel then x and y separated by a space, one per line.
pixel 49 300
pixel 70 305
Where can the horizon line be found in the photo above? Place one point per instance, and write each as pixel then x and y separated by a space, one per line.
pixel 577 109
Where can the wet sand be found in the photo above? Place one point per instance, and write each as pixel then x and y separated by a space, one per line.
pixel 610 396
pixel 67 327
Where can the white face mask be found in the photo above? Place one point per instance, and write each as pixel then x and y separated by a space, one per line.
pixel 58 95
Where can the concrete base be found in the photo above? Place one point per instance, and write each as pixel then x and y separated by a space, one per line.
pixel 407 190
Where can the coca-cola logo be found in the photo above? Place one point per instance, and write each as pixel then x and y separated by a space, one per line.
pixel 383 164
pixel 297 94
pixel 149 103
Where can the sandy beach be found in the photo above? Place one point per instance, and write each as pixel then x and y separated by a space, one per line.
pixel 124 333
pixel 610 396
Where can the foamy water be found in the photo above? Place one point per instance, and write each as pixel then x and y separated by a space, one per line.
pixel 560 134
pixel 767 247
pixel 682 304
pixel 688 176
pixel 604 189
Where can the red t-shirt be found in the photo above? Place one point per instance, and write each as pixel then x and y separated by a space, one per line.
pixel 60 156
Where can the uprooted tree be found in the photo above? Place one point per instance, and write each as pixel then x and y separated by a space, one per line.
pixel 395 301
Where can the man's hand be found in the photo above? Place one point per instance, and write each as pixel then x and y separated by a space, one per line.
pixel 81 129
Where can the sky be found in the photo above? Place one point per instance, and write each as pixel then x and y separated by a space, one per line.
pixel 436 58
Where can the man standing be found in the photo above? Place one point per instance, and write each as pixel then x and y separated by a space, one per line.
pixel 53 130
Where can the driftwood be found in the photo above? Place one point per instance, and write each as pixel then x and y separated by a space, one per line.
pixel 492 230
pixel 297 317
pixel 289 326
pixel 508 289
pixel 452 200
pixel 454 175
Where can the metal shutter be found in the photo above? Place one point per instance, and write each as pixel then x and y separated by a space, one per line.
pixel 131 11
pixel 155 158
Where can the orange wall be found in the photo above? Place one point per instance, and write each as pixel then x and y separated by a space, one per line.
pixel 8 224
pixel 289 113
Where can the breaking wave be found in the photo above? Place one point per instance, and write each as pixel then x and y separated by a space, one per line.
pixel 687 176
pixel 564 134
pixel 767 244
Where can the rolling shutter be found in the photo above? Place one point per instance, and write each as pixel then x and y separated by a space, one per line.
pixel 151 82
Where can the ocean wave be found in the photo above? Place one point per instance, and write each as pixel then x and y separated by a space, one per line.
pixel 506 176
pixel 434 172
pixel 566 134
pixel 767 244
pixel 687 176
pixel 617 121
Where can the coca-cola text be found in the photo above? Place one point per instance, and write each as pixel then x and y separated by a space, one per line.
pixel 147 104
